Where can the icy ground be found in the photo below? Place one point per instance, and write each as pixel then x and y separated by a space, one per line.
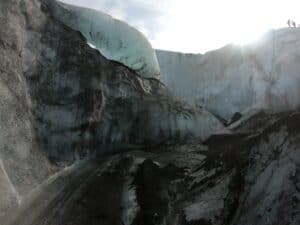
pixel 248 177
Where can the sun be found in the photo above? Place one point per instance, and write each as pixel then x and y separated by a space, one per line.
pixel 198 26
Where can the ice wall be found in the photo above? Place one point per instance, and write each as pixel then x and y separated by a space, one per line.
pixel 115 39
pixel 265 75
pixel 62 100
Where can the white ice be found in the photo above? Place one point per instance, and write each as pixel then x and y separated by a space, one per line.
pixel 263 75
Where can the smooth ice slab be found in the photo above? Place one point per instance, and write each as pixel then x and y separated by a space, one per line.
pixel 115 39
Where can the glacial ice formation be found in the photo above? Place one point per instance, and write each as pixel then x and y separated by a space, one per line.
pixel 62 100
pixel 115 39
pixel 264 75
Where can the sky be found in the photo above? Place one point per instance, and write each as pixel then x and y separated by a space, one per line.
pixel 198 26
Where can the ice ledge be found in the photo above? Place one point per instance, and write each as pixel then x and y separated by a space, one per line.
pixel 115 39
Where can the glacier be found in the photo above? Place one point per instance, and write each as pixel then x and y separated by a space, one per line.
pixel 262 75
pixel 115 39
pixel 62 101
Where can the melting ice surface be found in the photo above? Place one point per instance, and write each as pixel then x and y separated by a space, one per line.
pixel 263 75
pixel 115 39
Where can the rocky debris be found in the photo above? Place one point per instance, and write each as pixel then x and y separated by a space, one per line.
pixel 23 165
pixel 9 197
pixel 231 179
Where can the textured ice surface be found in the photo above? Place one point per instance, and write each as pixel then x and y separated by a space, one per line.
pixel 234 79
pixel 115 39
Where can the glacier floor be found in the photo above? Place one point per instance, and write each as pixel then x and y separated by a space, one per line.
pixel 249 176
